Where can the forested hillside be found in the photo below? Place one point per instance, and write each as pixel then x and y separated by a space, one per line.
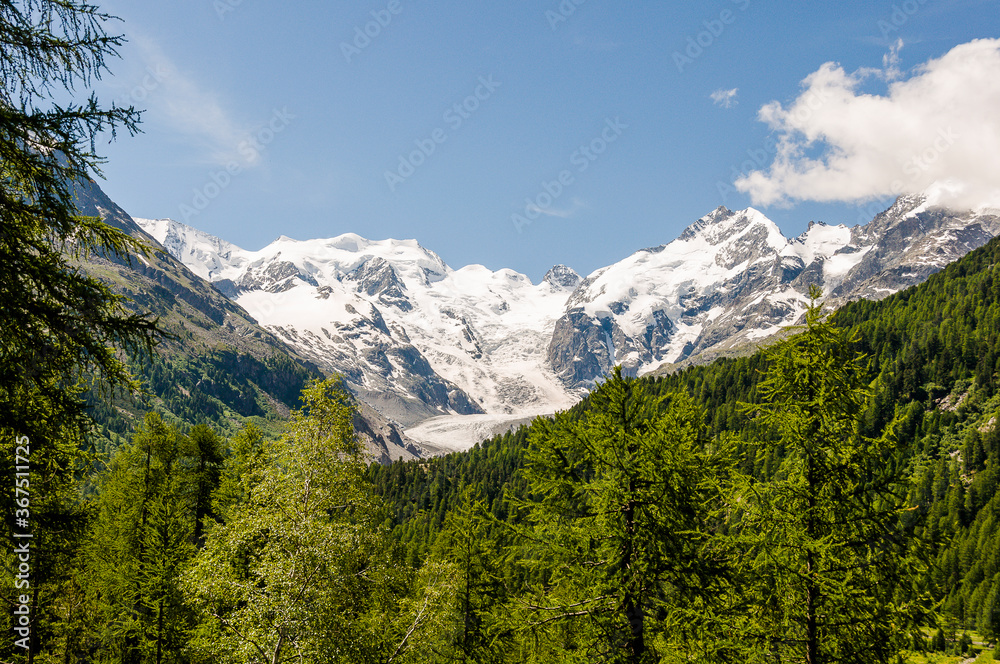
pixel 830 499
pixel 931 355
pixel 662 518
pixel 214 366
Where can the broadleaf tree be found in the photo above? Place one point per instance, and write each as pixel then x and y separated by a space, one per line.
pixel 300 569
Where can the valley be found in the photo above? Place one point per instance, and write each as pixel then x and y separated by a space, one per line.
pixel 463 353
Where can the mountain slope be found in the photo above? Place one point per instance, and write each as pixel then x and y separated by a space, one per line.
pixel 732 279
pixel 220 366
pixel 412 336
pixel 430 346
pixel 935 351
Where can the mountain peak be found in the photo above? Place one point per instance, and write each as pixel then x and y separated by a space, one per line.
pixel 204 254
pixel 421 340
pixel 907 204
pixel 349 242
pixel 561 276
pixel 722 223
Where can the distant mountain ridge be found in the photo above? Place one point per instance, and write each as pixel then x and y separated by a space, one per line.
pixel 732 278
pixel 220 367
pixel 413 337
pixel 429 346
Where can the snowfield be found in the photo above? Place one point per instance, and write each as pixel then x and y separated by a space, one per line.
pixel 459 355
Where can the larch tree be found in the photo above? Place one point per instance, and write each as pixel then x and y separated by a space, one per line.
pixel 622 512
pixel 60 323
pixel 140 541
pixel 476 545
pixel 62 329
pixel 824 556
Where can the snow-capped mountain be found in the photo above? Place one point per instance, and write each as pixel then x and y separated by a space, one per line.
pixel 420 340
pixel 732 278
pixel 216 358
pixel 413 337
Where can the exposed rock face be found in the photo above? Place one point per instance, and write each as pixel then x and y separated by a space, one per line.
pixel 732 279
pixel 418 340
pixel 909 242
pixel 376 277
pixel 268 374
pixel 380 365
pixel 561 276
pixel 272 277
pixel 382 440
pixel 580 349
pixel 412 337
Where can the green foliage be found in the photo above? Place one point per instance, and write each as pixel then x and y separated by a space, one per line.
pixel 621 506
pixel 420 495
pixel 659 520
pixel 60 323
pixel 823 550
pixel 206 448
pixel 300 569
pixel 763 508
pixel 242 471
pixel 475 543
pixel 62 328
pixel 223 388
pixel 932 363
pixel 141 537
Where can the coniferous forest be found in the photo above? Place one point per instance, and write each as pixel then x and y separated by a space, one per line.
pixel 831 498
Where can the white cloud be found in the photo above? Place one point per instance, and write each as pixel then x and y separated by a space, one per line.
pixel 560 213
pixel 937 131
pixel 178 101
pixel 891 62
pixel 725 98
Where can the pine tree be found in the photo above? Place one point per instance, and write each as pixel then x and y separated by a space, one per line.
pixel 60 323
pixel 206 450
pixel 139 543
pixel 241 472
pixel 479 556
pixel 62 329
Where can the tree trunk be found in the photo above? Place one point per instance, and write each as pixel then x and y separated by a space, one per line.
pixel 636 620
pixel 467 602
pixel 631 602
pixel 159 631
pixel 812 637
pixel 201 507
pixel 812 591
pixel 276 657
pixel 32 638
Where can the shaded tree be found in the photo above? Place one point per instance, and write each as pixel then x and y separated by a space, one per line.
pixel 477 546
pixel 62 329
pixel 139 544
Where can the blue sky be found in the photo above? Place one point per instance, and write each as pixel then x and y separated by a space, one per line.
pixel 267 118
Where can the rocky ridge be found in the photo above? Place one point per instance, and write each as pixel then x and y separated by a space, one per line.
pixel 426 344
